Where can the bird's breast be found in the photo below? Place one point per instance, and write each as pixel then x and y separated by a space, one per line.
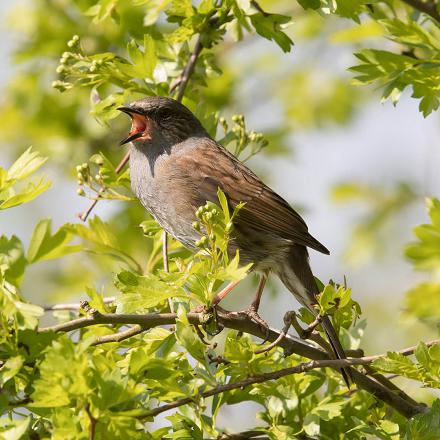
pixel 165 193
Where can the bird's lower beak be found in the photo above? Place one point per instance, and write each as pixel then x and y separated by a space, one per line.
pixel 141 126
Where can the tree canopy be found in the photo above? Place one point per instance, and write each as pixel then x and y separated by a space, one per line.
pixel 136 346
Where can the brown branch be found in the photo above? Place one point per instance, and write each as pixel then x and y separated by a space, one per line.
pixel 428 7
pixel 397 400
pixel 189 69
pixel 118 169
pixel 93 422
pixel 119 336
pixel 274 375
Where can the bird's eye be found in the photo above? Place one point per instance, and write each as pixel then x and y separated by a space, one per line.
pixel 165 113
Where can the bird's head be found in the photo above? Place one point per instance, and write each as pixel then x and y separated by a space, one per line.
pixel 161 115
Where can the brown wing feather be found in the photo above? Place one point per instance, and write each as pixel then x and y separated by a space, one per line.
pixel 264 210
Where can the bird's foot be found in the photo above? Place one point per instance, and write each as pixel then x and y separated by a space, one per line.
pixel 252 313
pixel 288 318
pixel 310 329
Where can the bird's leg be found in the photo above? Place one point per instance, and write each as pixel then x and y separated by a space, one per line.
pixel 224 293
pixel 307 332
pixel 310 333
pixel 212 327
pixel 288 317
pixel 252 310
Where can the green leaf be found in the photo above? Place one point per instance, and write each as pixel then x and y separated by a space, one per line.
pixel 150 228
pixel 64 375
pixel 311 424
pixel 12 259
pixel 423 301
pixel 45 246
pixel 10 368
pixel 425 426
pixel 13 308
pixel 270 27
pixel 32 190
pixel 396 363
pixel 103 241
pixel 25 165
pixel 14 429
pixel 425 253
pixel 142 292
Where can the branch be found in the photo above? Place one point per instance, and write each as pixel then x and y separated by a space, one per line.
pixel 274 375
pixel 118 169
pixel 428 7
pixel 73 306
pixel 183 80
pixel 396 399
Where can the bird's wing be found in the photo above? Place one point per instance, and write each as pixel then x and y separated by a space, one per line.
pixel 264 210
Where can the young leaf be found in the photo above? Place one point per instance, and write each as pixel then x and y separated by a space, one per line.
pixel 45 246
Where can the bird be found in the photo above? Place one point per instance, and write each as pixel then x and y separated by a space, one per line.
pixel 176 167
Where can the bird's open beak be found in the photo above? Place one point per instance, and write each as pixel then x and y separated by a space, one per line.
pixel 141 126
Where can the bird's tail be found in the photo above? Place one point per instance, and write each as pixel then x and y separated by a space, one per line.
pixel 297 276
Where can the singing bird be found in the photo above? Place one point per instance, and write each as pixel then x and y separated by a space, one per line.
pixel 176 167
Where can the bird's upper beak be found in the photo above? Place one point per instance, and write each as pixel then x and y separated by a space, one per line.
pixel 140 128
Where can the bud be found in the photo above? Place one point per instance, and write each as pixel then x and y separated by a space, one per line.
pixel 73 42
pixel 60 69
pixel 78 168
pixel 80 192
pixel 80 176
pixel 99 161
pixel 196 226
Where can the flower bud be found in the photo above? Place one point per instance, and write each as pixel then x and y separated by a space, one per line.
pixel 80 192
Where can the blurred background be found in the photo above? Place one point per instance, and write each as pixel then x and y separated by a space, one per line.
pixel 357 170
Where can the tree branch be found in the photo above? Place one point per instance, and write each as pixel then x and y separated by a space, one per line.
pixel 274 375
pixel 396 399
pixel 428 7
pixel 73 306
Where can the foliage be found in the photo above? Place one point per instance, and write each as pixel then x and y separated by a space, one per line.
pixel 93 383
pixel 424 299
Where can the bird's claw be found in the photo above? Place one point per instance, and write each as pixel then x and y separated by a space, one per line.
pixel 251 313
pixel 288 317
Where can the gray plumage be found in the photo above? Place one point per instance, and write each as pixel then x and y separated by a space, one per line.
pixel 177 168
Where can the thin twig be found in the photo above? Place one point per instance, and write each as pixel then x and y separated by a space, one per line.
pixel 120 336
pixel 118 169
pixel 74 306
pixel 189 69
pixel 428 7
pixel 93 422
